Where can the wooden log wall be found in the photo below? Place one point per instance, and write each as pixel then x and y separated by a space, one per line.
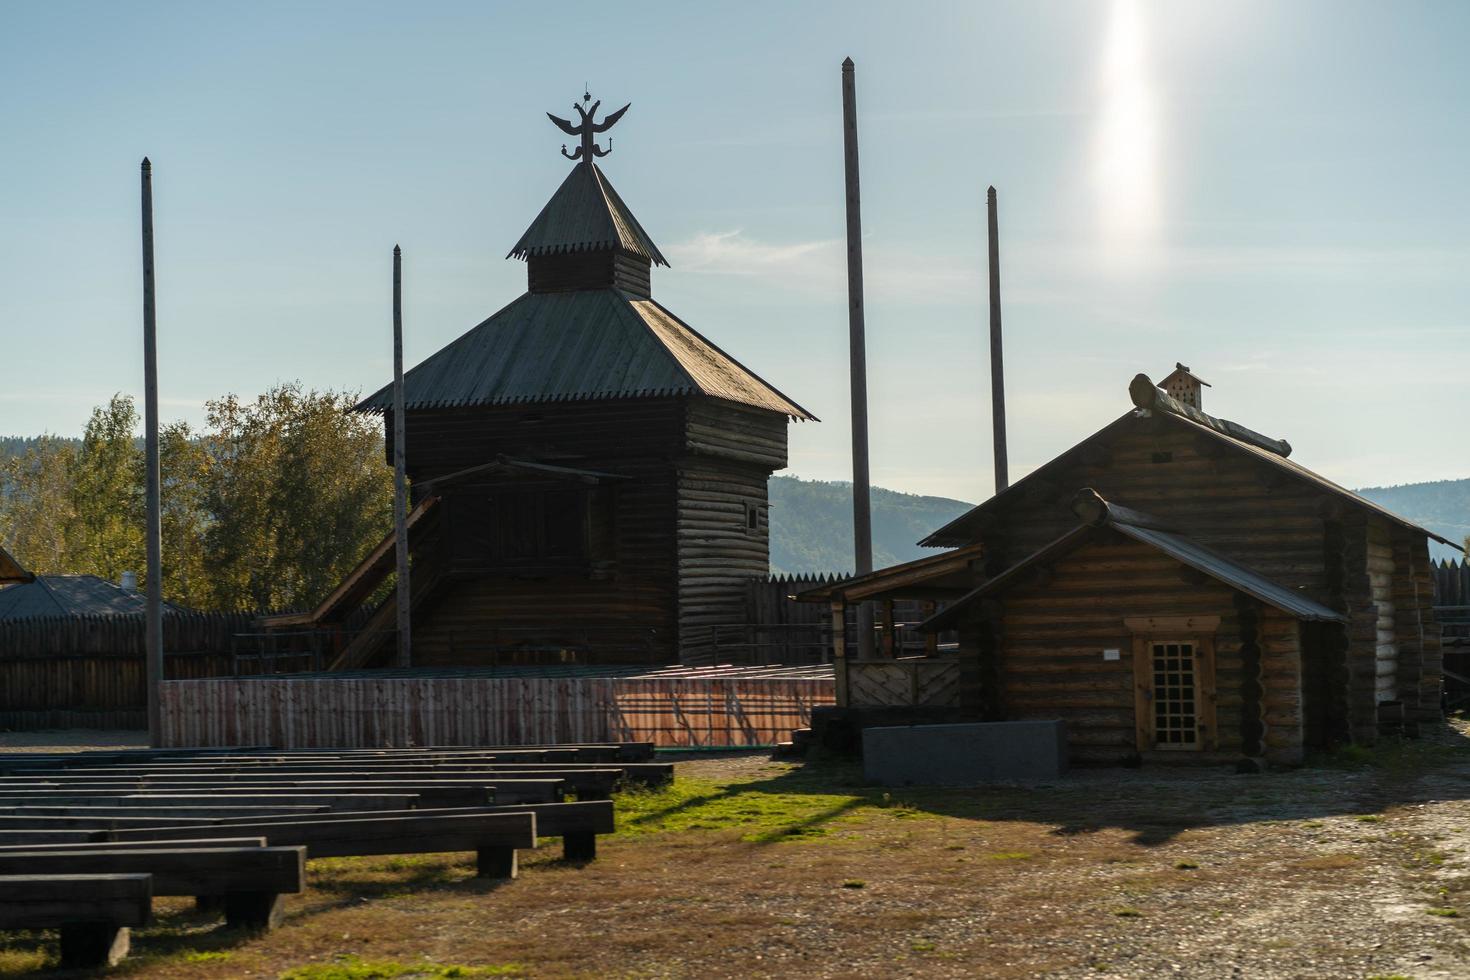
pixel 1380 567
pixel 1411 605
pixel 1362 630
pixel 630 596
pixel 729 453
pixel 588 434
pixel 88 672
pixel 356 712
pixel 1286 529
pixel 1229 502
pixel 1052 634
pixel 719 554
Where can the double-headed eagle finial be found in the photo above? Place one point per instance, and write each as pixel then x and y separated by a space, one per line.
pixel 587 129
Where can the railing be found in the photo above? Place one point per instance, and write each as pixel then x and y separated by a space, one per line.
pixel 905 682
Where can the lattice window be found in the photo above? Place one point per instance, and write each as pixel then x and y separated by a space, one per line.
pixel 1175 695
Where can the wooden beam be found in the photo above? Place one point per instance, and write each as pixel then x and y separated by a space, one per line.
pixel 400 478
pixel 153 510
pixel 997 368
pixel 862 516
pixel 839 651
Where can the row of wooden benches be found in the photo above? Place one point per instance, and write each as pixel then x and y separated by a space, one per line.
pixel 84 846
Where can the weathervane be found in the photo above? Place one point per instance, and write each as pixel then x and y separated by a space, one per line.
pixel 587 129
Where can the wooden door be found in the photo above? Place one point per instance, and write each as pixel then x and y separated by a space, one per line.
pixel 1174 691
pixel 1174 694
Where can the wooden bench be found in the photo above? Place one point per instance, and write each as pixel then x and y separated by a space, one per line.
pixel 582 779
pixel 577 824
pixel 63 836
pixel 494 835
pixel 133 845
pixel 463 792
pixel 242 796
pixel 94 912
pixel 208 812
pixel 251 880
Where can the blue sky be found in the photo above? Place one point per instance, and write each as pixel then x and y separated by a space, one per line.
pixel 1274 194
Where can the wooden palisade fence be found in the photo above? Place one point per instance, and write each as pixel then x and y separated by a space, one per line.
pixel 88 671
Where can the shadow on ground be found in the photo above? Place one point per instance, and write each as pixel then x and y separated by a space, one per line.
pixel 1153 805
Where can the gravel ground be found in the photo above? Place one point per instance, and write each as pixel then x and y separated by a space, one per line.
pixel 72 740
pixel 762 869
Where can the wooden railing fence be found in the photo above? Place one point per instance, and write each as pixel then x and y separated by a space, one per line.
pixel 779 630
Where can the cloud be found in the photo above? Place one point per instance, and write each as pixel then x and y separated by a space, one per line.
pixel 819 267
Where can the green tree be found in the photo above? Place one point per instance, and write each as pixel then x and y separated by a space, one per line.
pixel 183 465
pixel 296 493
pixel 35 504
pixel 105 528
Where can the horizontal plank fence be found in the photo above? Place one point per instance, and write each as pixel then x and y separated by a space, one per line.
pixel 689 710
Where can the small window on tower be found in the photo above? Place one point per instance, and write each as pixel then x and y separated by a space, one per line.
pixel 752 518
pixel 1163 457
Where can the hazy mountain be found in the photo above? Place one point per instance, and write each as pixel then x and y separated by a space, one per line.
pixel 1442 506
pixel 811 520
pixel 811 525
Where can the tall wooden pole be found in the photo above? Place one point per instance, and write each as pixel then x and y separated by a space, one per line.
pixel 862 514
pixel 997 367
pixel 400 477
pixel 153 521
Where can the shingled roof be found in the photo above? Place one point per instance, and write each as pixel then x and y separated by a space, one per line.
pixel 580 346
pixel 586 213
pixel 71 595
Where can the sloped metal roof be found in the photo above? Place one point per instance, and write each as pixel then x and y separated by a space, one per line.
pixel 71 595
pixel 578 346
pixel 1231 573
pixel 586 213
pixel 965 529
pixel 1222 569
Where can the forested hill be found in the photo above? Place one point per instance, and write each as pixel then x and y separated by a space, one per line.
pixel 811 525
pixel 1442 506
pixel 811 520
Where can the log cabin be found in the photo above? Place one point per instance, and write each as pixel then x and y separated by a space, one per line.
pixel 588 471
pixel 1174 587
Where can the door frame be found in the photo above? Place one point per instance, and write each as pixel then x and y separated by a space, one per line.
pixel 1197 630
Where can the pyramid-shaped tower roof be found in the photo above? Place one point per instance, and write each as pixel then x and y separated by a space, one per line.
pixel 587 329
pixel 586 214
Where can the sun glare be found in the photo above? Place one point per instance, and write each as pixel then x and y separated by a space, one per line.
pixel 1126 154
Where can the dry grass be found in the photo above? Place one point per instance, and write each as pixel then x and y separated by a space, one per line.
pixel 749 868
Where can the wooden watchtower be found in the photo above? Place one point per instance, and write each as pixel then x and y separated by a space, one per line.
pixel 589 472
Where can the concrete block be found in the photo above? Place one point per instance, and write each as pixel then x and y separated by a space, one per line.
pixel 964 754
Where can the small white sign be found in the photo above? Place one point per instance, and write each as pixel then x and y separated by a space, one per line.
pixel 1112 655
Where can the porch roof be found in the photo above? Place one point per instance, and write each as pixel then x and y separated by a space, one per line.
pixel 1100 515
